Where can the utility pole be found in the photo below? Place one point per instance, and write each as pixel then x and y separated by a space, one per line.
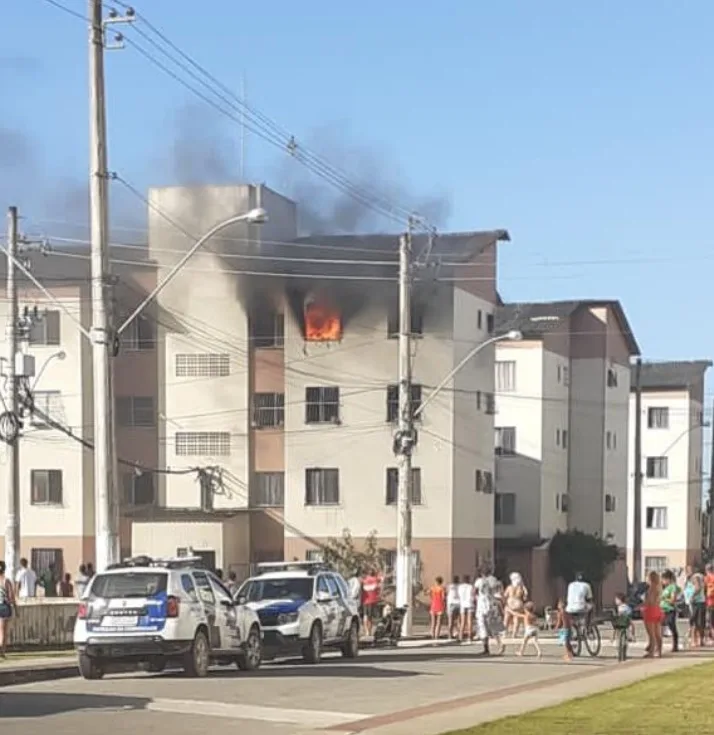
pixel 105 466
pixel 12 434
pixel 637 495
pixel 405 438
pixel 710 509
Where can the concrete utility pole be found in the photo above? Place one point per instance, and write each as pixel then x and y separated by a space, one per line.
pixel 12 465
pixel 637 495
pixel 710 509
pixel 405 438
pixel 105 465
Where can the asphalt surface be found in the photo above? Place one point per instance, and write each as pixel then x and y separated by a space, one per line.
pixel 281 698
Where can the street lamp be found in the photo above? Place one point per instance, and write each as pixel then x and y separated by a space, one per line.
pixel 256 216
pixel 61 355
pixel 514 335
pixel 403 571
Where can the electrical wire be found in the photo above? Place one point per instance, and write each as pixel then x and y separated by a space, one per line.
pixel 29 404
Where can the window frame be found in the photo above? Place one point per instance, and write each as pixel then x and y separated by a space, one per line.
pixel 35 500
pixel 651 463
pixel 653 412
pixel 270 415
pixel 322 404
pixel 322 472
pixel 392 486
pixel 50 325
pixel 127 412
pixel 505 449
pixel 505 376
pixel 498 509
pixel 279 493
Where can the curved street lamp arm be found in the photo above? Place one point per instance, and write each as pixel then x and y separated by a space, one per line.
pixel 472 353
pixel 172 273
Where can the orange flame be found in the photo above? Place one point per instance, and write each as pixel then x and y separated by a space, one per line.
pixel 322 322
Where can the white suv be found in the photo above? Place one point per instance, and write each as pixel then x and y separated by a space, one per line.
pixel 303 608
pixel 150 612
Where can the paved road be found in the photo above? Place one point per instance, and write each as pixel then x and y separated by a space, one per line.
pixel 281 698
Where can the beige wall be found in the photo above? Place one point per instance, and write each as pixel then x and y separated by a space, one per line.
pixel 472 446
pixel 361 365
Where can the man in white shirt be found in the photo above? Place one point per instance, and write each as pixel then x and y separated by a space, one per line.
pixel 25 581
pixel 578 605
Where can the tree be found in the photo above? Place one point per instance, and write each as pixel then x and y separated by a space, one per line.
pixel 343 555
pixel 576 551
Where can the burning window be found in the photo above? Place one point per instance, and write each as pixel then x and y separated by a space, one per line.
pixel 393 401
pixel 322 405
pixel 323 321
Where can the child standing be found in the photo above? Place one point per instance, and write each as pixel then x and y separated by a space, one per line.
pixel 437 607
pixel 530 633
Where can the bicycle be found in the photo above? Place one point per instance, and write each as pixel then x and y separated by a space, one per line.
pixel 621 624
pixel 587 632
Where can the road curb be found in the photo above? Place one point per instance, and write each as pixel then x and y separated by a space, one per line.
pixel 18 675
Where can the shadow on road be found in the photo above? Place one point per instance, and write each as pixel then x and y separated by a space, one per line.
pixel 405 657
pixel 293 671
pixel 27 704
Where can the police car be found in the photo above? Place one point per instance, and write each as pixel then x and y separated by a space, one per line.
pixel 151 612
pixel 303 609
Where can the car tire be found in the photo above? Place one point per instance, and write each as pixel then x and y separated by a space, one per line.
pixel 252 657
pixel 350 648
pixel 198 659
pixel 156 665
pixel 90 668
pixel 312 651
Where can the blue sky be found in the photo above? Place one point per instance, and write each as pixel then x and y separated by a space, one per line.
pixel 585 129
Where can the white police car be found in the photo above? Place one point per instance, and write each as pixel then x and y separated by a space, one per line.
pixel 303 609
pixel 150 612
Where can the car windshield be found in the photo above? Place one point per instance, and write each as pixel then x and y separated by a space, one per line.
pixel 128 584
pixel 288 588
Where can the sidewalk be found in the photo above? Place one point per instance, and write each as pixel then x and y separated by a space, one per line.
pixel 466 712
pixel 23 669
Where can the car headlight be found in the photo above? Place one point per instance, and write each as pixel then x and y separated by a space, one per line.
pixel 285 618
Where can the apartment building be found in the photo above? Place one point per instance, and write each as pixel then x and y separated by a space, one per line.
pixel 278 371
pixel 56 470
pixel 561 436
pixel 672 428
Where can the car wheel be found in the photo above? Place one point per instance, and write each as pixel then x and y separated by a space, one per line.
pixel 198 659
pixel 350 648
pixel 252 656
pixel 89 667
pixel 312 652
pixel 156 665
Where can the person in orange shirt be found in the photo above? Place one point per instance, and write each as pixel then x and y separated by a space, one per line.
pixel 437 608
pixel 709 592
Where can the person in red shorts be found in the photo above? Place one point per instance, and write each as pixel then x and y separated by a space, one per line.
pixel 437 608
pixel 652 616
pixel 709 592
pixel 371 596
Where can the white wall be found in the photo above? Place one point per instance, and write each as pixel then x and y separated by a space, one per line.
pixel 203 311
pixel 50 449
pixel 523 408
pixel 677 493
pixel 362 365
